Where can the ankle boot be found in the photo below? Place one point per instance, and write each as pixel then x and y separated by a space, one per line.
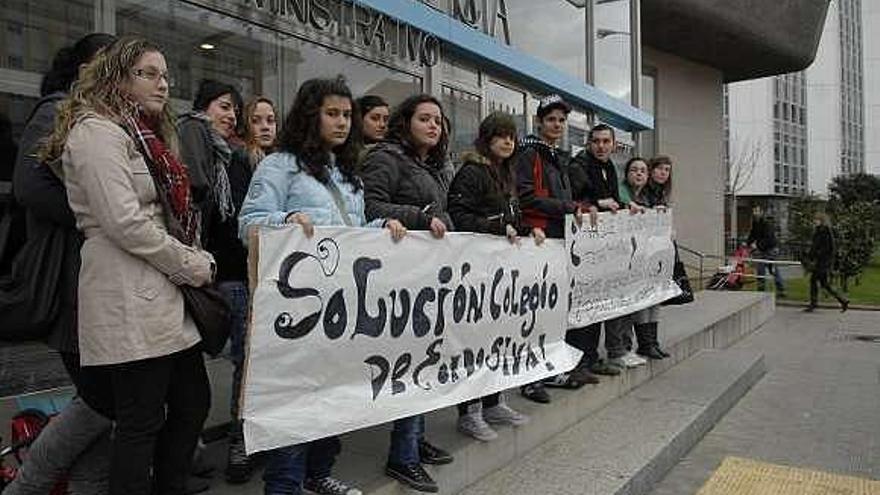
pixel 646 334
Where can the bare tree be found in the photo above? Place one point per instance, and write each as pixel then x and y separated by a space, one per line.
pixel 743 157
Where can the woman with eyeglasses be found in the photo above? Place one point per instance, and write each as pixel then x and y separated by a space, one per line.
pixel 130 195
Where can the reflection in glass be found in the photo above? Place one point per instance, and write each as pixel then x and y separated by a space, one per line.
pixel 577 126
pixel 304 60
pixel 34 31
pixel 553 31
pixel 460 73
pixel 504 99
pixel 16 108
pixel 647 139
pixel 612 48
pixel 201 44
pixel 463 111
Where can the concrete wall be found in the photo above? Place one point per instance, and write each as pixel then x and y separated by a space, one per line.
pixel 751 134
pixel 689 129
pixel 824 138
pixel 871 47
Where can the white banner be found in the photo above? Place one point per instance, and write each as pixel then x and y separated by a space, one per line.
pixel 350 330
pixel 620 266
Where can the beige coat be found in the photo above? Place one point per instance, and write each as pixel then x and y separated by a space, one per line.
pixel 129 305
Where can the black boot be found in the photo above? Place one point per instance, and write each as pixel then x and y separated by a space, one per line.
pixel 646 334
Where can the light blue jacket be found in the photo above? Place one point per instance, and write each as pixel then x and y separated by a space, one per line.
pixel 280 187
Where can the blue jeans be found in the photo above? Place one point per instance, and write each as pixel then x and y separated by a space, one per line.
pixel 762 269
pixel 237 295
pixel 405 438
pixel 288 467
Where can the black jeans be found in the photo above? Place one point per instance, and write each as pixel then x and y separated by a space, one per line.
pixel 817 278
pixel 161 404
pixel 585 339
pixel 488 401
pixel 92 384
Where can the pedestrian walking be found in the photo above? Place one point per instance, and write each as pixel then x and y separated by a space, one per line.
pixel 821 256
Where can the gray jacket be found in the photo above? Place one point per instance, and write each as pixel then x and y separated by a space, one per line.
pixel 399 186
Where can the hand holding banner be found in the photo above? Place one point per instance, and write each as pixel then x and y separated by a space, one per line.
pixel 349 329
pixel 620 266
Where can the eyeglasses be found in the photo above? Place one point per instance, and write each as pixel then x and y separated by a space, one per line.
pixel 154 75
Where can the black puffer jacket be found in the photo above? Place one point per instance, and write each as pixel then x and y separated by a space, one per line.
pixel 479 201
pixel 44 197
pixel 397 185
pixel 592 180
pixel 543 186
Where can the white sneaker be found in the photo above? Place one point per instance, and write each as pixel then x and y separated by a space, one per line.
pixel 632 360
pixel 473 425
pixel 502 414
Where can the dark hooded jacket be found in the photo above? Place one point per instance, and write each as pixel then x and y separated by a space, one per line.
pixel 543 186
pixel 592 180
pixel 398 185
pixel 480 201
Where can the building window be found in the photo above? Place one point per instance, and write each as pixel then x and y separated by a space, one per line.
pixel 35 31
pixel 611 47
pixel 648 103
pixel 463 110
pixel 541 27
pixel 200 44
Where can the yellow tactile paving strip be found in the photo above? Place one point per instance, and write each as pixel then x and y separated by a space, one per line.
pixel 737 476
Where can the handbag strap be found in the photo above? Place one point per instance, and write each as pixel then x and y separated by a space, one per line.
pixel 340 203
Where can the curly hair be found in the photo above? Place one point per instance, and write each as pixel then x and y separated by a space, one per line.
pixel 301 133
pixel 100 90
pixel 399 127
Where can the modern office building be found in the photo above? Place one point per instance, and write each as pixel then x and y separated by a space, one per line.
pixel 655 69
pixel 791 134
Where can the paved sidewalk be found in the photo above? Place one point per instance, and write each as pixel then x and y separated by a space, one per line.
pixel 818 407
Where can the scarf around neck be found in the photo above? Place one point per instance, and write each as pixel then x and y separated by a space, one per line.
pixel 218 176
pixel 170 177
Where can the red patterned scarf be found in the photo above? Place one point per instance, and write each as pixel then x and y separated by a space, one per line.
pixel 170 177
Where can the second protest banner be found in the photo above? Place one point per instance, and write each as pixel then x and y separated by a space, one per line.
pixel 349 329
pixel 619 266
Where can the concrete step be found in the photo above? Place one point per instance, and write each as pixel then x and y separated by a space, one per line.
pixel 627 447
pixel 714 321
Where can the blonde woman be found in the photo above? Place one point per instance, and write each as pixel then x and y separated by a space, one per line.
pixel 131 198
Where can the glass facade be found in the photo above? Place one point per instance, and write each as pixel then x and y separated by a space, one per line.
pixel 553 31
pixel 612 48
pixel 34 31
pixel 790 134
pixel 852 98
pixel 270 48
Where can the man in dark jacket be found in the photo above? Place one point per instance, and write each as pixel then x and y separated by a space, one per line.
pixel 594 181
pixel 593 174
pixel 822 256
pixel 762 240
pixel 545 193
